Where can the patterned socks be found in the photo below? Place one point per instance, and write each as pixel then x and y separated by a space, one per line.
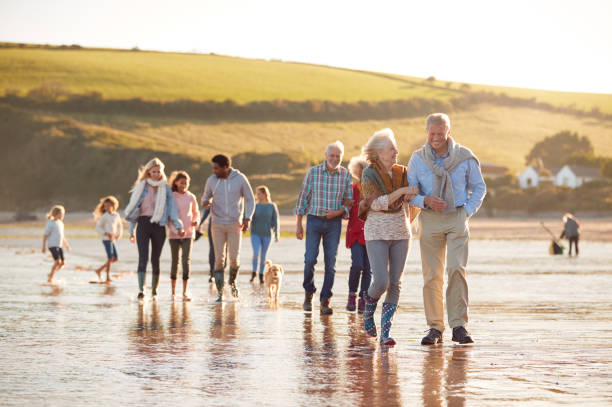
pixel 368 315
pixel 388 310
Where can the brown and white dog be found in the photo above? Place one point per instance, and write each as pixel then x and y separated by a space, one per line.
pixel 272 279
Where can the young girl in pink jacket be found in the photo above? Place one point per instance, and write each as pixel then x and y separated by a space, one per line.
pixel 190 215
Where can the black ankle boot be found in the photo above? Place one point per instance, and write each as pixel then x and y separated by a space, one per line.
pixel 307 301
pixel 261 279
pixel 253 274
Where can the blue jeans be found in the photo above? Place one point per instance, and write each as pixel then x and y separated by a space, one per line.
pixel 359 263
pixel 318 228
pixel 111 249
pixel 260 249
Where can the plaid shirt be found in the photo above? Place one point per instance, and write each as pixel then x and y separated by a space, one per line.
pixel 323 190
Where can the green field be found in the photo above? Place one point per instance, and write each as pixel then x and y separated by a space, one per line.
pixel 171 76
pixel 64 157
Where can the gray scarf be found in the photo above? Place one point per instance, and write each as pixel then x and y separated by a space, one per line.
pixel 442 186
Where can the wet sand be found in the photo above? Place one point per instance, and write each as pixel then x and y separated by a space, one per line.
pixel 542 326
pixel 594 227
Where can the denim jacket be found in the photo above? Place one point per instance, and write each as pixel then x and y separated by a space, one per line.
pixel 170 211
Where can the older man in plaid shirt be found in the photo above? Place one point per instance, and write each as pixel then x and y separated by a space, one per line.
pixel 325 198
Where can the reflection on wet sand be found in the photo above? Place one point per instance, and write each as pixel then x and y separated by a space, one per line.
pixel 454 375
pixel 179 328
pixel 321 365
pixel 148 331
pixel 109 290
pixel 371 376
pixel 224 351
pixel 54 290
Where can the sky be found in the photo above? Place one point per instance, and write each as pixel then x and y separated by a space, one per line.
pixel 541 44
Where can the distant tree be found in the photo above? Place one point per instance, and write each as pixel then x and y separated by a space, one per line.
pixel 431 79
pixel 465 86
pixel 583 160
pixel 606 168
pixel 555 150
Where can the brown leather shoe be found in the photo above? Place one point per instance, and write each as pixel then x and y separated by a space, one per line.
pixel 325 308
pixel 308 302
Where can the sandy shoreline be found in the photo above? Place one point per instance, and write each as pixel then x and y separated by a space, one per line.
pixel 541 326
pixel 596 228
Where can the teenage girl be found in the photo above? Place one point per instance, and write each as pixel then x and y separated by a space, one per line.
pixel 189 214
pixel 265 223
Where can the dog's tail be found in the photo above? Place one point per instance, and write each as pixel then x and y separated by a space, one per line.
pixel 268 262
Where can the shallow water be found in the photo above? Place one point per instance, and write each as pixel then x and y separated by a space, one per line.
pixel 542 327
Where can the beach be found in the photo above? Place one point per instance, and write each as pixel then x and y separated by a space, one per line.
pixel 541 325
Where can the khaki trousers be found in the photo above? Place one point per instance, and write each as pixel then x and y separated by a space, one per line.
pixel 442 233
pixel 229 235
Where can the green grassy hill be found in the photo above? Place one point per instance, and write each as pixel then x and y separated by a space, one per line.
pixel 120 74
pixel 52 155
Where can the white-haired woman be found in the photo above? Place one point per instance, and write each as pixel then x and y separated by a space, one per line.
pixel 387 227
pixel 151 205
pixel 355 240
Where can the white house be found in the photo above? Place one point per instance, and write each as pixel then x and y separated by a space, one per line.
pixel 529 178
pixel 573 176
pixel 569 175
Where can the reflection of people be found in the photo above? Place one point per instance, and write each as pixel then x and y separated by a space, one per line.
pixel 110 227
pixel 355 240
pixel 189 214
pixel 320 355
pixel 53 236
pixel 325 191
pixel 433 369
pixel 229 194
pixel 571 230
pixel 179 328
pixel 265 222
pixel 387 228
pixel 445 172
pixel 455 377
pixel 224 351
pixel 151 205
pixel 148 332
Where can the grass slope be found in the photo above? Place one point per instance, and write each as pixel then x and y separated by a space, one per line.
pixel 119 74
pixel 75 160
